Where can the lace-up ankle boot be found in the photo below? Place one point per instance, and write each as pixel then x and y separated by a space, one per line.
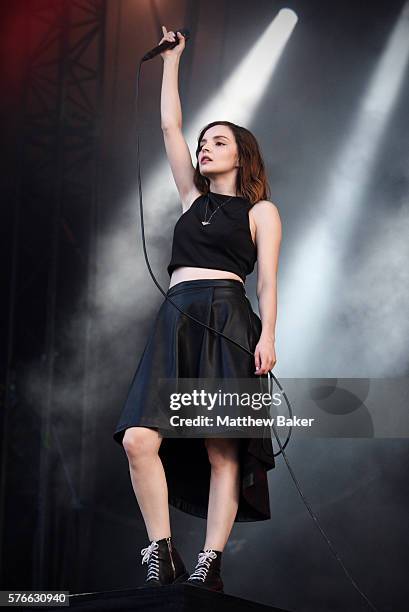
pixel 165 565
pixel 207 571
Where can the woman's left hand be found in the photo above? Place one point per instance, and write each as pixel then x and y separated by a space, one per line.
pixel 264 355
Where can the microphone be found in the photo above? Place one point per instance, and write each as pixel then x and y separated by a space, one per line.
pixel 167 44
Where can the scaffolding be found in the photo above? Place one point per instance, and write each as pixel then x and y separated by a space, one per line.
pixel 55 234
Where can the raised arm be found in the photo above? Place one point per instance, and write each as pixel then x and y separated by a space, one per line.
pixel 176 146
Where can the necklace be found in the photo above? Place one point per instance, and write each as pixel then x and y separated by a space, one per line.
pixel 207 222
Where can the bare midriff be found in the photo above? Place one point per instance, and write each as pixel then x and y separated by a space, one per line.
pixel 185 273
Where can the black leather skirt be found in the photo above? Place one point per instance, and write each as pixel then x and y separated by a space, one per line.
pixel 178 347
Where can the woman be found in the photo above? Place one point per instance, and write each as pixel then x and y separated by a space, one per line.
pixel 225 227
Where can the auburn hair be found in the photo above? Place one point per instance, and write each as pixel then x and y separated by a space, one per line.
pixel 252 182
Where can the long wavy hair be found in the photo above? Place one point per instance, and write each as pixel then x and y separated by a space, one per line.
pixel 252 182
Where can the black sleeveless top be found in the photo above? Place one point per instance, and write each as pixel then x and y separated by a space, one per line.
pixel 225 244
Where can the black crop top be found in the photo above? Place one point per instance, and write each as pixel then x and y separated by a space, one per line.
pixel 224 244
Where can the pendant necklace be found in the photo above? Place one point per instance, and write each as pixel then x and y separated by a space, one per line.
pixel 207 222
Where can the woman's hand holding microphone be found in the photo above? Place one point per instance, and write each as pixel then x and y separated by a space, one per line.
pixel 171 36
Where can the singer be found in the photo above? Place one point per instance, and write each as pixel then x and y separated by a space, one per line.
pixel 226 225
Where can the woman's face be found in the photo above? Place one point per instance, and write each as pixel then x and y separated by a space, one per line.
pixel 219 145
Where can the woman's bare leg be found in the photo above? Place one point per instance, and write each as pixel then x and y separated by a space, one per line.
pixel 148 479
pixel 224 490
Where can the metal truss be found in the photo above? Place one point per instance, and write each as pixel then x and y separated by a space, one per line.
pixel 54 243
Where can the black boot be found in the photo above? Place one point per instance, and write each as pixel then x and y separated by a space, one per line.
pixel 207 571
pixel 165 565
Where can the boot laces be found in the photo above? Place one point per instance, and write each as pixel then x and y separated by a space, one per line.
pixel 150 556
pixel 203 564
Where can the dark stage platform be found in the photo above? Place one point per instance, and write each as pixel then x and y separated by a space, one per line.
pixel 175 598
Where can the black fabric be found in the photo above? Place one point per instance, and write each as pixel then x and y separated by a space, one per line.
pixel 180 347
pixel 225 244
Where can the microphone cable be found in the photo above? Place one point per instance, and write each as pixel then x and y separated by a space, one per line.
pixel 270 374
